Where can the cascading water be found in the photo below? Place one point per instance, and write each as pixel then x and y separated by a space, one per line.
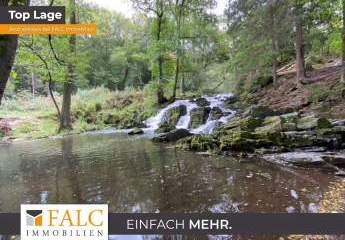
pixel 184 121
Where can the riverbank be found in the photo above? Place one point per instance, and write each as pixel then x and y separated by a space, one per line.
pixel 306 120
pixel 26 117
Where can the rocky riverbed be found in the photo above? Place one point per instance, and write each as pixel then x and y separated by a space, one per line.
pixel 211 124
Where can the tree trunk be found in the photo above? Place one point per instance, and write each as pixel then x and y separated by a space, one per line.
pixel 124 80
pixel 182 84
pixel 66 119
pixel 300 63
pixel 343 45
pixel 160 91
pixel 178 16
pixel 274 42
pixel 33 84
pixel 177 73
pixel 8 48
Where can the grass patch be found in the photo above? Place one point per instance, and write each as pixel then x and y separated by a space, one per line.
pixel 41 129
pixel 92 109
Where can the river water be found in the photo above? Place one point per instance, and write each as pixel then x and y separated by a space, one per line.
pixel 132 174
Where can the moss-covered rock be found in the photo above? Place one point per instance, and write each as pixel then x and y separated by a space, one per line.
pixel 295 139
pixel 307 123
pixel 184 143
pixel 260 112
pixel 270 125
pixel 289 121
pixel 331 138
pixel 164 128
pixel 202 102
pixel 230 100
pixel 237 140
pixel 311 122
pixel 199 116
pixel 173 115
pixel 198 143
pixel 246 124
pixel 172 136
pixel 270 130
pixel 203 143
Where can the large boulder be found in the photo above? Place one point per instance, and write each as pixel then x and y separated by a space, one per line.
pixel 199 116
pixel 202 102
pixel 173 115
pixel 172 136
pixel 216 113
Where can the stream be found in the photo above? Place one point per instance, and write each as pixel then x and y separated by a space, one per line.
pixel 134 175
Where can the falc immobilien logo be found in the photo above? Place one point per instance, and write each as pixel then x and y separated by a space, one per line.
pixel 64 221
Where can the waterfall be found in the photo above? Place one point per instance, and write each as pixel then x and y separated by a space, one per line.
pixel 213 102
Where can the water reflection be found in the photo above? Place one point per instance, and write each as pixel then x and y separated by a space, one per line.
pixel 132 174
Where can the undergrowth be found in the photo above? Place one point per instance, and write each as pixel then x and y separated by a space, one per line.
pixel 92 109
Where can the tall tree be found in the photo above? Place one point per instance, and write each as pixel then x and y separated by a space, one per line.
pixel 66 119
pixel 274 41
pixel 8 48
pixel 178 12
pixel 158 8
pixel 299 44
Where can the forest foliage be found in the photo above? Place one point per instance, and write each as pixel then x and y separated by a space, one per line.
pixel 176 48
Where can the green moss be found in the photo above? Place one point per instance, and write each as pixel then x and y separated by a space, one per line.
pixel 164 127
pixel 289 121
pixel 237 140
pixel 312 122
pixel 173 115
pixel 246 124
pixel 199 143
pixel 203 143
pixel 199 116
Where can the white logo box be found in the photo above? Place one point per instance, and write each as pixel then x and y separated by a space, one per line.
pixel 64 222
